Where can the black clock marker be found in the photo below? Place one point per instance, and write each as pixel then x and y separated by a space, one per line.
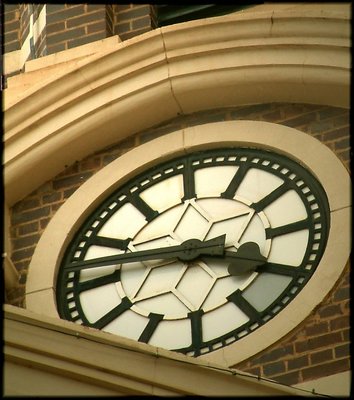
pixel 110 242
pixel 282 269
pixel 237 298
pixel 143 207
pixel 289 228
pixel 272 196
pixel 113 314
pixel 236 181
pixel 197 331
pixel 154 320
pixel 188 181
pixel 98 282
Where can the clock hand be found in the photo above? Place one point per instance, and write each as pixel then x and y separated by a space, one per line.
pixel 186 251
pixel 247 258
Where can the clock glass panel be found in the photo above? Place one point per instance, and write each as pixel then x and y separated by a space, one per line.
pixel 197 252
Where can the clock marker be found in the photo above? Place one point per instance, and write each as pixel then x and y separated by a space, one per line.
pixel 154 320
pixel 289 228
pixel 235 182
pixel 272 196
pixel 188 182
pixel 237 298
pixel 97 282
pixel 282 269
pixel 110 242
pixel 113 314
pixel 197 332
pixel 143 207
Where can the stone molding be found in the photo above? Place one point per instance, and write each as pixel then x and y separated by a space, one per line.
pixel 43 348
pixel 278 55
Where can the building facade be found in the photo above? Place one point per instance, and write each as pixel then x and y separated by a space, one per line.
pixel 95 95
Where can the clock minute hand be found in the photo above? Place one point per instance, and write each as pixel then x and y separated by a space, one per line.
pixel 186 251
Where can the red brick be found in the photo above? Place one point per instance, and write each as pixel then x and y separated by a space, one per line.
pixel 55 48
pixel 54 207
pixel 327 369
pixel 65 35
pixel 51 198
pixel 22 254
pixel 96 27
pixel 336 134
pixel 298 362
pixel 57 27
pixel 28 228
pixel 300 120
pixel 71 180
pixel 144 22
pixel 318 342
pixel 330 310
pixel 30 215
pixel 132 13
pixel 26 204
pixel 339 323
pixel 64 14
pixel 330 112
pixel 67 193
pixel 86 19
pixel 321 356
pixel 87 39
pixel 346 335
pixel 44 222
pixel 342 144
pixel 96 7
pixel 274 355
pixel 69 170
pixel 342 350
pixel 91 163
pixel 291 378
pixel 316 329
pixel 273 368
pixel 25 241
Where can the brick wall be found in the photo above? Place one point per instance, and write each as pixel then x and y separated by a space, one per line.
pixel 133 19
pixel 320 346
pixel 71 25
pixel 11 21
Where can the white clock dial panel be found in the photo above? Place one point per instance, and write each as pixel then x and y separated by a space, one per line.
pixel 198 252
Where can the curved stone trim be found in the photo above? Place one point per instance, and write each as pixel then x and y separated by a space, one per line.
pixel 282 55
pixel 40 289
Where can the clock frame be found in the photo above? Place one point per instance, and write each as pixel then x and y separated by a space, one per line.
pixel 303 149
pixel 246 165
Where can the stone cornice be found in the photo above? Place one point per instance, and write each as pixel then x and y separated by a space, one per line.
pixel 280 55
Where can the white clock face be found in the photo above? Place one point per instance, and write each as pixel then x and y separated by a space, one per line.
pixel 198 252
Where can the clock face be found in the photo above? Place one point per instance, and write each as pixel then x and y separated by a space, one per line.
pixel 198 252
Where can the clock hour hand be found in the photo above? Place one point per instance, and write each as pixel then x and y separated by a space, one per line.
pixel 247 258
pixel 186 251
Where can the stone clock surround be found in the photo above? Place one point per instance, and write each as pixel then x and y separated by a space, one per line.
pixel 324 165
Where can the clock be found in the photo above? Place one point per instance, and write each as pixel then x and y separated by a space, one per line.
pixel 197 252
